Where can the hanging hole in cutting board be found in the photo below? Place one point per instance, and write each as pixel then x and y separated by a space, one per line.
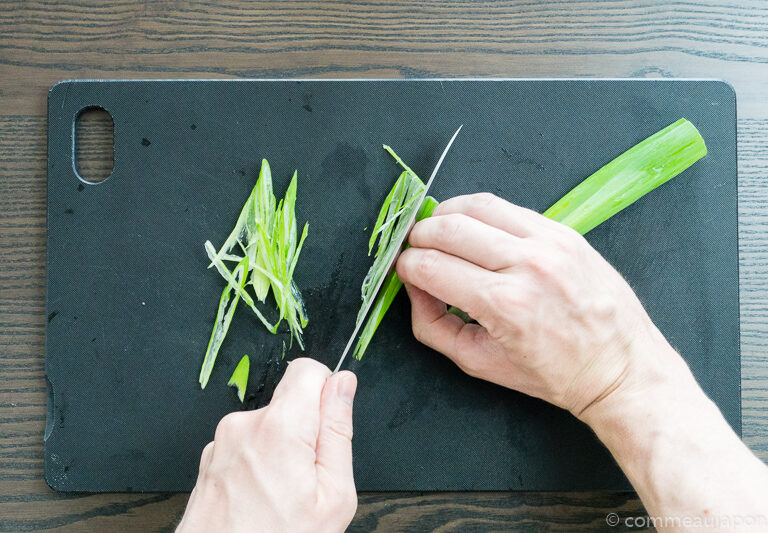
pixel 94 147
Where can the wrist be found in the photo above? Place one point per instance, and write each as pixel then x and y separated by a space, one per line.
pixel 672 442
pixel 654 414
pixel 656 377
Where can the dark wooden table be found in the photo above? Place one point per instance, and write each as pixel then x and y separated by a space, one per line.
pixel 43 42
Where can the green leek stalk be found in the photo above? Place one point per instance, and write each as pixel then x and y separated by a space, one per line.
pixel 636 172
pixel 620 183
pixel 390 229
pixel 239 378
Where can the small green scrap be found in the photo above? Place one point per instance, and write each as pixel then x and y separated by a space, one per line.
pixel 239 378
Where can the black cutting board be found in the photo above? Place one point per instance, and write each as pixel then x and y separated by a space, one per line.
pixel 131 303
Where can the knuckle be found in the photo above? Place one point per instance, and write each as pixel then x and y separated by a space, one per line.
pixel 512 309
pixel 208 450
pixel 205 457
pixel 405 264
pixel 527 255
pixel 419 332
pixel 482 200
pixel 569 240
pixel 449 228
pixel 503 297
pixel 272 420
pixel 427 264
pixel 470 366
pixel 603 306
pixel 559 265
pixel 549 261
pixel 341 429
pixel 229 426
pixel 280 424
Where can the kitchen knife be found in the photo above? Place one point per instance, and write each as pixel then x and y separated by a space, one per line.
pixel 398 247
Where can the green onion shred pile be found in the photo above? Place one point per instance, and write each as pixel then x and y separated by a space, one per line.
pixel 265 248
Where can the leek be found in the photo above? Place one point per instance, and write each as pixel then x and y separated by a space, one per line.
pixel 266 234
pixel 391 225
pixel 636 172
pixel 239 378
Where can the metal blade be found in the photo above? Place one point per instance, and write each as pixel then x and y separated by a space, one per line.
pixel 397 247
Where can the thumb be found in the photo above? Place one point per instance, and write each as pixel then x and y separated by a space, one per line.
pixel 334 440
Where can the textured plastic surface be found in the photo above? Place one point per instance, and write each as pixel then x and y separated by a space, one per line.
pixel 131 303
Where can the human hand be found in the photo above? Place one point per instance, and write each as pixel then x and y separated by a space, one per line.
pixel 286 467
pixel 555 320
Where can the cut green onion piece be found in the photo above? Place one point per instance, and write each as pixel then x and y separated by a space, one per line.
pixel 223 319
pixel 239 377
pixel 459 313
pixel 239 288
pixel 399 161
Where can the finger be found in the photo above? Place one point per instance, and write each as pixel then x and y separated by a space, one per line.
pixel 465 344
pixel 297 396
pixel 334 441
pixel 498 213
pixel 468 238
pixel 302 374
pixel 205 457
pixel 448 278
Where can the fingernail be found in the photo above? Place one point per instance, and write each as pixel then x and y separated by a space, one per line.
pixel 345 388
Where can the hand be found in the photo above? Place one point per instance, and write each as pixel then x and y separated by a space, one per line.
pixel 555 320
pixel 286 467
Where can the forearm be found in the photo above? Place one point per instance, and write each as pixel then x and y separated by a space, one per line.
pixel 677 449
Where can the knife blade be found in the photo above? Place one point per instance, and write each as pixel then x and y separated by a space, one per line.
pixel 398 247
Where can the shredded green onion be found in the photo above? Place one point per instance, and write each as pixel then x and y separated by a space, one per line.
pixel 389 290
pixel 223 319
pixel 391 225
pixel 239 378
pixel 266 234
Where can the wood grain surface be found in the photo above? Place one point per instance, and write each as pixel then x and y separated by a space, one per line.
pixel 44 42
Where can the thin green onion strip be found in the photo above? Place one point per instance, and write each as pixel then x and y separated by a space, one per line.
pixel 391 225
pixel 223 319
pixel 389 290
pixel 615 186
